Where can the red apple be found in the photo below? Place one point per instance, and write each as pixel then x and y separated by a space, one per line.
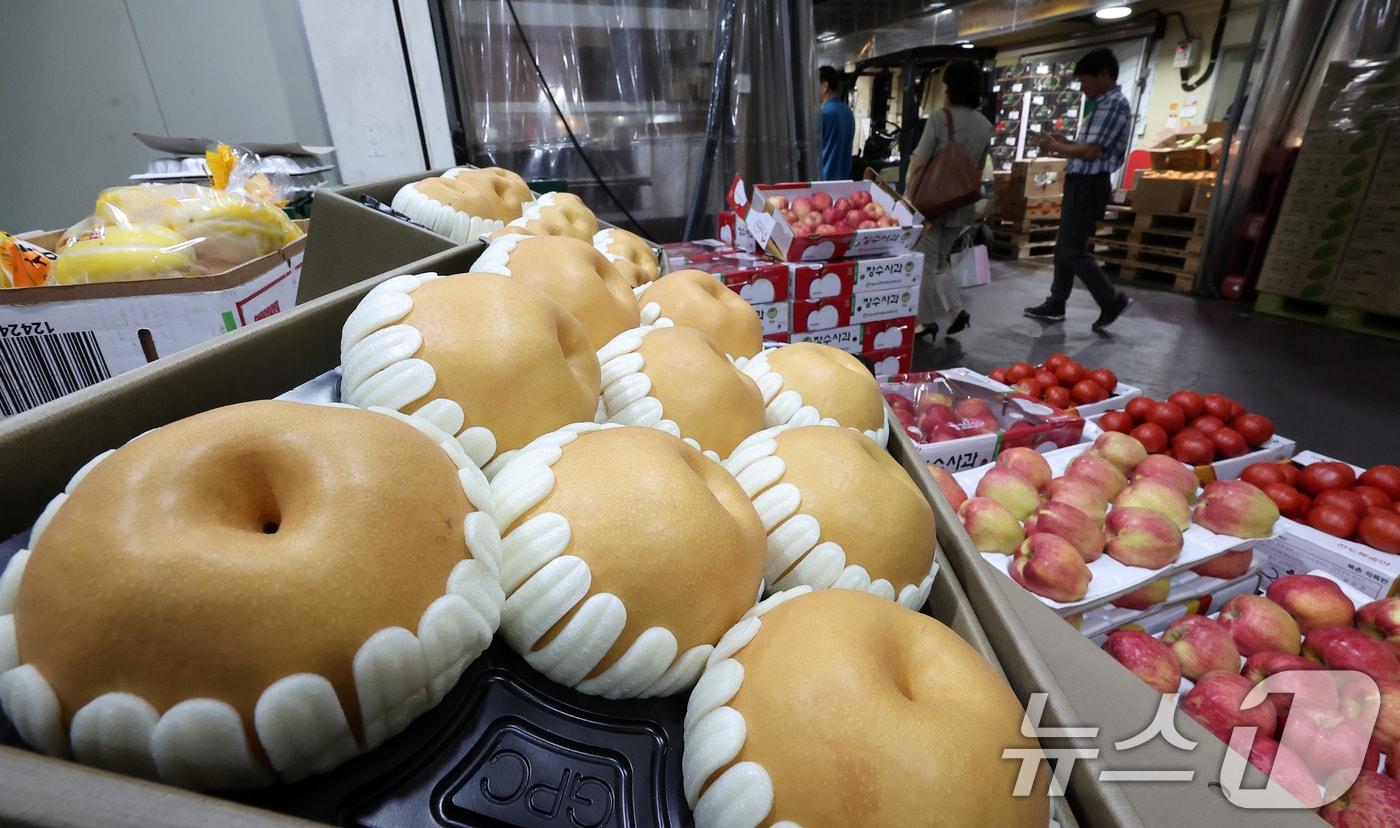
pixel 1141 537
pixel 1148 659
pixel 843 204
pixel 1283 766
pixel 1227 566
pixel 866 225
pixel 1381 620
pixel 860 198
pixel 1312 600
pixel 1071 524
pixel 855 217
pixel 1099 473
pixel 1371 802
pixel 1215 703
pixel 991 525
pixel 823 229
pixel 1048 565
pixel 1027 462
pixel 1148 595
pixel 1344 648
pixel 1234 507
pixel 1169 471
pixel 1150 493
pixel 1259 625
pixel 801 206
pixel 874 210
pixel 946 484
pixel 821 201
pixel 1262 665
pixel 1080 495
pixel 1201 645
pixel 888 221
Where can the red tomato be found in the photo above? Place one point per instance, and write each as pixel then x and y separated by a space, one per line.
pixel 1290 473
pixel 1030 387
pixel 1374 497
pixel 1344 499
pixel 1087 391
pixel 1018 372
pixel 1058 396
pixel 1054 361
pixel 1229 443
pixel 1291 503
pixel 1187 433
pixel 1317 478
pixel 1106 378
pixel 999 375
pixel 1262 474
pixel 1047 379
pixel 1191 403
pixel 1070 373
pixel 1138 407
pixel 1207 424
pixel 1333 520
pixel 1386 478
pixel 1217 405
pixel 1152 436
pixel 1256 428
pixel 1193 447
pixel 1236 409
pixel 1167 415
pixel 1381 530
pixel 1120 421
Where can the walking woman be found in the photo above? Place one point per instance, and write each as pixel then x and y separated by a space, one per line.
pixel 938 296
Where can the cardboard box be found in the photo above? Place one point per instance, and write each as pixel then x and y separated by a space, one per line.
pixel 1162 195
pixel 734 232
pixel 821 315
pixel 889 334
pixel 1013 209
pixel 892 361
pixel 758 280
pixel 68 337
pixel 878 306
pixel 773 316
pixel 257 363
pixel 1038 178
pixel 786 244
pixel 847 338
pixel 1165 155
pixel 1200 202
pixel 810 282
pixel 846 276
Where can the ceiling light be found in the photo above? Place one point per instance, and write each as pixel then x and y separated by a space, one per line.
pixel 1113 12
pixel 932 6
pixel 966 44
pixel 825 36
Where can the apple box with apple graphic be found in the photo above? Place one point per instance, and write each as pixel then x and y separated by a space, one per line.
pixel 811 221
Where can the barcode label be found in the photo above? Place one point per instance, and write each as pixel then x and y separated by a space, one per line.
pixel 37 369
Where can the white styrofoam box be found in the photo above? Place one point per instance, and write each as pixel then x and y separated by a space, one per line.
pixel 846 338
pixel 1111 578
pixel 1121 395
pixel 1191 594
pixel 1301 548
pixel 1274 449
pixel 773 316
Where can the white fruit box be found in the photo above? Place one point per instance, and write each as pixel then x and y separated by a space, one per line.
pixel 56 339
pixel 847 338
pixel 1123 393
pixel 879 306
pixel 1272 450
pixel 846 276
pixel 1301 548
pixel 1112 579
pixel 1191 594
pixel 773 317
pixel 782 241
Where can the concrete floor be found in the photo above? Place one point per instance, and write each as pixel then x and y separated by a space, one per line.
pixel 1331 390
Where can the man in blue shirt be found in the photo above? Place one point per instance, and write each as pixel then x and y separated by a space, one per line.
pixel 1102 146
pixel 838 127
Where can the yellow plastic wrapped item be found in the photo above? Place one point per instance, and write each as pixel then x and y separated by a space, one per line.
pixel 104 252
pixel 22 263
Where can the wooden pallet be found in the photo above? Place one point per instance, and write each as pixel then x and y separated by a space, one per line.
pixel 1190 224
pixel 1022 225
pixel 1150 276
pixel 1150 256
pixel 1320 313
pixel 999 249
pixel 1160 239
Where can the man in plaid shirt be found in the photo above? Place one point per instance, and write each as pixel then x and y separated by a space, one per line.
pixel 1101 149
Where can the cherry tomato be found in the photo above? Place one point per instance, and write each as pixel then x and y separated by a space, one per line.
pixel 1217 405
pixel 1384 477
pixel 1047 379
pixel 1256 428
pixel 1029 386
pixel 1262 474
pixel 1070 373
pixel 1167 415
pixel 1152 436
pixel 1291 503
pixel 1193 447
pixel 1229 443
pixel 1018 372
pixel 999 375
pixel 1120 421
pixel 1058 396
pixel 1381 530
pixel 1317 478
pixel 1105 378
pixel 1191 403
pixel 1054 361
pixel 1207 424
pixel 1333 520
pixel 1087 391
pixel 1138 407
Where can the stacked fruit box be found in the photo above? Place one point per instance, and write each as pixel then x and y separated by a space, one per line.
pixel 1026 212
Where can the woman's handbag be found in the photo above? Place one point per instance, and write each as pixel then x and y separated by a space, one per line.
pixel 949 181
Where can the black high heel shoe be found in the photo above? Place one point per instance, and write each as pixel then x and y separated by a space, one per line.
pixel 960 323
pixel 929 333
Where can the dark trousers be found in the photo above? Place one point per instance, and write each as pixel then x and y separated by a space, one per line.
pixel 1085 198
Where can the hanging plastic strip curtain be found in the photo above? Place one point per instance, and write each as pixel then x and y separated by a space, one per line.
pixel 632 79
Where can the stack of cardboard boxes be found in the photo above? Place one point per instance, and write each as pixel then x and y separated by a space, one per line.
pixel 1025 218
pixel 1338 232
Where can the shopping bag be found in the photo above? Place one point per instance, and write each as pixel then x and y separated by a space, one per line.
pixel 971 266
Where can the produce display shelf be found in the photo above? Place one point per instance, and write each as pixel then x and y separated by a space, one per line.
pixel 1335 316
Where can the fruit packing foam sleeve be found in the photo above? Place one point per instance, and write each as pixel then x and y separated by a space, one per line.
pixel 1112 579
pixel 1188 592
pixel 500 706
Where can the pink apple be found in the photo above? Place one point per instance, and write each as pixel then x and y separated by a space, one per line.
pixel 1141 537
pixel 866 225
pixel 1215 703
pixel 950 487
pixel 1381 620
pixel 824 228
pixel 855 217
pixel 811 219
pixel 1099 473
pixel 790 217
pixel 860 198
pixel 1201 645
pixel 1010 489
pixel 1227 566
pixel 1285 768
pixel 888 221
pixel 1326 740
pixel 1344 648
pixel 821 201
pixel 843 204
pixel 831 215
pixel 1312 600
pixel 1373 801
pixel 1159 497
pixel 1029 463
pixel 1080 495
pixel 1148 595
pixel 778 202
pixel 801 206
pixel 897 400
pixel 1048 565
pixel 972 407
pixel 935 415
pixel 992 527
pixel 1262 665
pixel 1171 471
pixel 1148 659
pixel 841 228
pixel 874 210
pixel 1234 507
pixel 1259 625
pixel 1122 450
pixel 1071 524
